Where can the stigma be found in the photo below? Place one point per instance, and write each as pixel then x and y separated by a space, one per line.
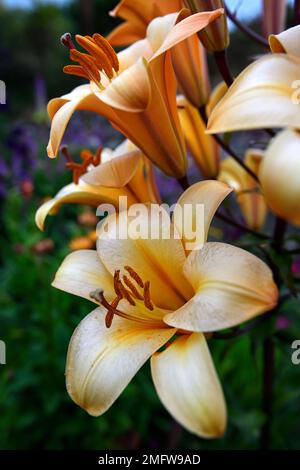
pixel 99 58
pixel 130 288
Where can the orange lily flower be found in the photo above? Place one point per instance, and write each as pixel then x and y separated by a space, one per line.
pixel 139 100
pixel 149 291
pixel 122 172
pixel 188 57
pixel 247 191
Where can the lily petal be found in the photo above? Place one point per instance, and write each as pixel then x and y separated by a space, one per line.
pixel 81 193
pixel 231 287
pixel 102 361
pixel 286 42
pixel 187 384
pixel 159 260
pixel 210 194
pixel 261 97
pixel 81 273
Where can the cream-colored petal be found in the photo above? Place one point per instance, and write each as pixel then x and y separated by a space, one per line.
pixel 131 90
pixel 187 384
pixel 262 96
pixel 154 253
pixel 183 29
pixel 102 361
pixel 83 272
pixel 286 42
pixel 81 193
pixel 280 175
pixel 231 286
pixel 207 195
pixel 115 173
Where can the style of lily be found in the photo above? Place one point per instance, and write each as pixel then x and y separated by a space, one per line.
pixel 123 172
pixel 137 95
pixel 266 93
pixel 203 148
pixel 248 193
pixel 154 293
pixel 280 170
pixel 188 57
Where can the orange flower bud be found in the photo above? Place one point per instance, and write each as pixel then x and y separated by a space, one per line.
pixel 215 37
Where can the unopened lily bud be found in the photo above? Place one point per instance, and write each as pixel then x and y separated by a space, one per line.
pixel 273 17
pixel 215 37
pixel 280 176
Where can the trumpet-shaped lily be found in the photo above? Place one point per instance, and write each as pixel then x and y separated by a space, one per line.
pixel 247 191
pixel 280 169
pixel 150 291
pixel 273 18
pixel 203 148
pixel 188 57
pixel 266 93
pixel 137 95
pixel 123 172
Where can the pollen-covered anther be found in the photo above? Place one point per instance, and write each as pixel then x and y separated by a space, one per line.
pixel 101 57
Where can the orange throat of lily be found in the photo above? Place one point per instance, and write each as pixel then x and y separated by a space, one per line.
pixel 129 288
pixel 99 62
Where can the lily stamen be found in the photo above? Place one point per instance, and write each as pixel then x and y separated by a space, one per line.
pixel 101 57
pixel 80 169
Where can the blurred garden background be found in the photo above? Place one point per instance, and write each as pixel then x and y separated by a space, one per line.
pixel 37 320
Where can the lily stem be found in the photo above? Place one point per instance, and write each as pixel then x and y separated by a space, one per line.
pixel 247 30
pixel 279 231
pixel 227 148
pixel 223 66
pixel 236 224
pixel 184 182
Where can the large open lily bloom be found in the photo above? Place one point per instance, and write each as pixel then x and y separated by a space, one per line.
pixel 248 193
pixel 280 176
pixel 123 172
pixel 266 93
pixel 188 57
pixel 136 94
pixel 150 291
pixel 203 148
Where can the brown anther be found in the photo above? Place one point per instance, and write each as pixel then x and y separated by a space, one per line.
pixel 147 299
pixel 134 276
pixel 88 63
pixel 132 288
pixel 125 294
pixel 66 40
pixel 80 169
pixel 106 47
pixel 101 58
pixel 75 70
pixel 65 151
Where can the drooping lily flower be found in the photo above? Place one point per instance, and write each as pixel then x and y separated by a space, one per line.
pixel 266 93
pixel 149 291
pixel 122 172
pixel 136 94
pixel 280 176
pixel 273 17
pixel 203 148
pixel 247 191
pixel 215 37
pixel 137 14
pixel 188 57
